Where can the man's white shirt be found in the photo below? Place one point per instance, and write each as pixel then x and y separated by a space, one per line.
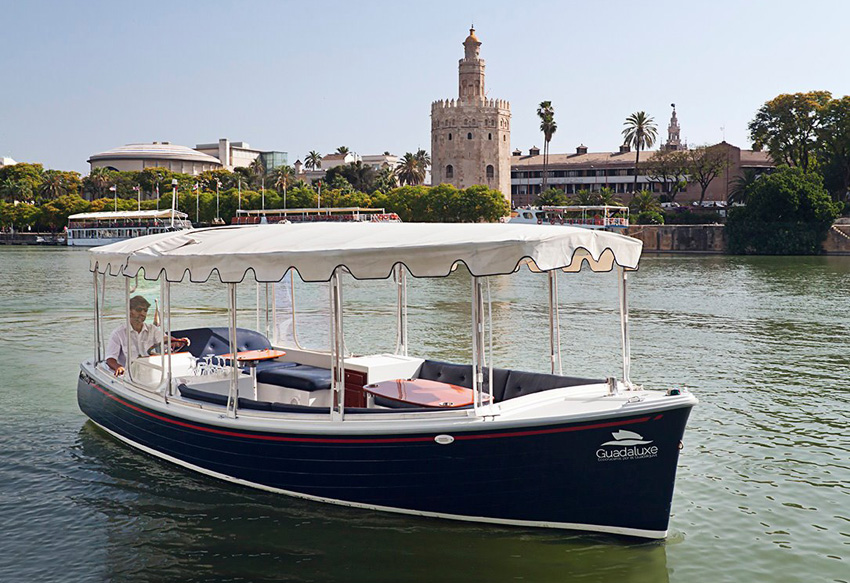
pixel 141 342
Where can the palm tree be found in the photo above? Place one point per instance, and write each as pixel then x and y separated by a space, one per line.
pixel 424 158
pixel 546 113
pixel 53 186
pixel 584 198
pixel 283 176
pixel 741 185
pixel 313 161
pixel 607 196
pixel 411 170
pixel 644 201
pixel 343 150
pixel 99 178
pixel 640 132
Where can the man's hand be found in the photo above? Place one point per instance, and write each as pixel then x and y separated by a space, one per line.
pixel 119 371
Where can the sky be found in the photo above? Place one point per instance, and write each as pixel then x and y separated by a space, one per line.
pixel 78 78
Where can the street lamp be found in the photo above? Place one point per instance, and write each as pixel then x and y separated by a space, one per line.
pixel 217 185
pixel 173 200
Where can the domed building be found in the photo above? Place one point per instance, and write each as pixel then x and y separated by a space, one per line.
pixel 137 157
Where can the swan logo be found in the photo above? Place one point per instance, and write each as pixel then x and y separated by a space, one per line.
pixel 626 445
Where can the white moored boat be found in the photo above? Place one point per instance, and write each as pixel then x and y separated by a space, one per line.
pixel 394 432
pixel 92 229
pixel 605 217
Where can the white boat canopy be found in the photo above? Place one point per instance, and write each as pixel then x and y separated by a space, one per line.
pixel 127 215
pixel 366 250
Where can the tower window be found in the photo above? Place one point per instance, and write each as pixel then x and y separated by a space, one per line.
pixel 450 136
pixel 491 172
pixel 489 136
pixel 469 136
pixel 450 171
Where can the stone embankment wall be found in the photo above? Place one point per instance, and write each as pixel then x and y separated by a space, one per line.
pixel 680 238
pixel 712 238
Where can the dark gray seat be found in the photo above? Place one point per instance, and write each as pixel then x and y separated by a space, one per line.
pixel 301 376
pixel 524 383
pixel 216 340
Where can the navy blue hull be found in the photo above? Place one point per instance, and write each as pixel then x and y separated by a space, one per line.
pixel 564 473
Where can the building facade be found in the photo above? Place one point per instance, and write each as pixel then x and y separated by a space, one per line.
pixel 137 157
pixel 241 155
pixel 471 136
pixel 593 171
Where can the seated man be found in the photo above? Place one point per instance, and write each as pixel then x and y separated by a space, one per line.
pixel 144 338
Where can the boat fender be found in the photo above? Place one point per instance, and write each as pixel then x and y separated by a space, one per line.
pixel 539 221
pixel 562 221
pixel 444 439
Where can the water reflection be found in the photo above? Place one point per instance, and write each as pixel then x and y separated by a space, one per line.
pixel 164 523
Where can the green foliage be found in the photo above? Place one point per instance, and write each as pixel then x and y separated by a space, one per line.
pixel 788 212
pixel 19 216
pixel 552 197
pixel 54 214
pixel 357 176
pixel 787 126
pixel 650 218
pixel 640 133
pixel 644 201
pixel 21 182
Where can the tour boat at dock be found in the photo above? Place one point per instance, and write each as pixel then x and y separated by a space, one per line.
pixel 606 217
pixel 92 229
pixel 391 431
pixel 315 215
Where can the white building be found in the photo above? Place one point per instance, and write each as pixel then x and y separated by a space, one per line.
pixel 6 161
pixel 137 157
pixel 230 154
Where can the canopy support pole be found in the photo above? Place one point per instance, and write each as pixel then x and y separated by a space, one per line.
pixel 97 339
pixel 401 310
pixel 624 326
pixel 337 349
pixel 554 325
pixel 478 353
pixel 166 334
pixel 233 393
pixel 129 356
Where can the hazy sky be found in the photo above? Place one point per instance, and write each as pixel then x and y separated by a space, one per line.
pixel 77 78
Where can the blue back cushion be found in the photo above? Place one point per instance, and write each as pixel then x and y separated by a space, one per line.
pixel 216 340
pixel 524 383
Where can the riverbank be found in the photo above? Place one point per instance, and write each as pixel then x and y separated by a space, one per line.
pixel 711 239
pixel 30 238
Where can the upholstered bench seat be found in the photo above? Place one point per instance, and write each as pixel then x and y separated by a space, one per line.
pixel 301 376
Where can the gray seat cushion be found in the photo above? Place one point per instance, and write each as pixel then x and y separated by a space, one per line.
pixel 524 383
pixel 302 377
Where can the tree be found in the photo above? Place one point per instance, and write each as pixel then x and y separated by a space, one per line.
pixel 788 212
pixel 640 133
pixel 834 146
pixel 741 186
pixel 552 197
pixel 98 181
pixel 385 181
pixel 704 164
pixel 313 160
pixel 788 125
pixel 359 176
pixel 644 201
pixel 284 175
pixel 546 113
pixel 670 168
pixel 607 196
pixel 424 160
pixel 583 198
pixel 343 150
pixel 411 170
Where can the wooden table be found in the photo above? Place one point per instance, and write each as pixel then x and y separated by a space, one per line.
pixel 251 357
pixel 423 393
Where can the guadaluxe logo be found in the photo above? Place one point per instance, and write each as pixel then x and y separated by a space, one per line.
pixel 626 445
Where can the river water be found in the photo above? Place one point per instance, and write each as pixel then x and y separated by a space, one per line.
pixel 761 493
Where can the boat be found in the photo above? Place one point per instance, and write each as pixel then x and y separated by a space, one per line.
pixel 102 228
pixel 312 215
pixel 391 431
pixel 606 217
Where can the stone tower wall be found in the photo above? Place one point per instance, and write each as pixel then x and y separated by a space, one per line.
pixel 471 134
